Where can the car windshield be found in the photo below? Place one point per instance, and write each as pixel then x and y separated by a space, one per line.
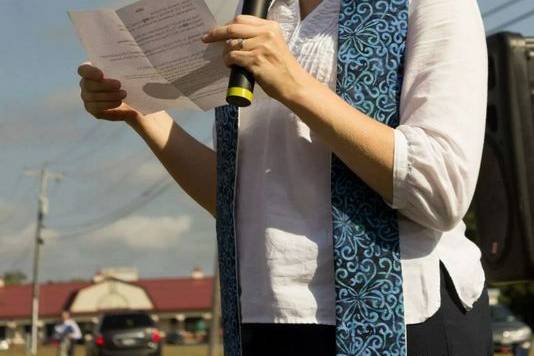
pixel 126 321
pixel 500 313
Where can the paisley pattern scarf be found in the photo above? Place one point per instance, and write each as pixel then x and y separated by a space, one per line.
pixel 368 276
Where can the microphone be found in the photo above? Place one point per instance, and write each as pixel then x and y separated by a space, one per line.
pixel 241 84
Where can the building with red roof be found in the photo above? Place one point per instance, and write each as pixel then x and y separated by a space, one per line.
pixel 178 304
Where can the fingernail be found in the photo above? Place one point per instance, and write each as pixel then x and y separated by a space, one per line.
pixel 204 36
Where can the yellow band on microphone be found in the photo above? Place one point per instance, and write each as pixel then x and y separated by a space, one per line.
pixel 242 94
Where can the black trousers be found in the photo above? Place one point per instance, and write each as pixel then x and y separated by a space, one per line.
pixel 71 349
pixel 451 331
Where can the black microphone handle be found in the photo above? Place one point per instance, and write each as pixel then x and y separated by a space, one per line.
pixel 241 83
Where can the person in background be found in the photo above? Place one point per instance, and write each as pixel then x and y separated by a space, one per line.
pixel 67 332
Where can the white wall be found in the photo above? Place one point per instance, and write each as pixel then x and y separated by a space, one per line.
pixel 110 295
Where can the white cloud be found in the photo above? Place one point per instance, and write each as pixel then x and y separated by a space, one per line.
pixel 149 171
pixel 14 241
pixel 51 117
pixel 5 210
pixel 16 249
pixel 156 246
pixel 66 100
pixel 144 232
pixel 139 232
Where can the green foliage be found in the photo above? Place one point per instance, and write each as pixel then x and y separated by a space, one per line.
pixel 14 277
pixel 471 226
pixel 520 297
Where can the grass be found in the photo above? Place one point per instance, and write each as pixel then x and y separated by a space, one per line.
pixel 201 350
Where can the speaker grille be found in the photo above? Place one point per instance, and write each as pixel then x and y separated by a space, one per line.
pixel 492 206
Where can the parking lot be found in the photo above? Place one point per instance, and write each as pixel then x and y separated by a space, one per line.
pixel 167 351
pixel 201 350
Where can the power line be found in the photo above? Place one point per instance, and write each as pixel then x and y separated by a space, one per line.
pixel 82 204
pixel 108 166
pixel 76 145
pixel 15 186
pixel 78 208
pixel 119 214
pixel 20 252
pixel 88 173
pixel 80 156
pixel 7 251
pixel 499 8
pixel 117 131
pixel 23 254
pixel 16 196
pixel 113 136
pixel 148 195
pixel 96 221
pixel 73 235
pixel 96 224
pixel 512 21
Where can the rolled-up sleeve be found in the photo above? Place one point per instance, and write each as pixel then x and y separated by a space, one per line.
pixel 438 144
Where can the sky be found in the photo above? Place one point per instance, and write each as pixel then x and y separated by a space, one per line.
pixel 115 206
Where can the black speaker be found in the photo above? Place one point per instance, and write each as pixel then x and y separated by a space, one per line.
pixel 504 198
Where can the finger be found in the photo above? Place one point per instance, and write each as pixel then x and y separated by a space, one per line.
pixel 88 71
pixel 96 108
pixel 122 113
pixel 236 45
pixel 247 19
pixel 243 59
pixel 104 85
pixel 103 96
pixel 231 31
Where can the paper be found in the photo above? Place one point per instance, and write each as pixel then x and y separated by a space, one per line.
pixel 154 49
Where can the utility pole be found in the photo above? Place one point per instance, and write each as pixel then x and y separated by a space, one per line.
pixel 42 210
pixel 215 311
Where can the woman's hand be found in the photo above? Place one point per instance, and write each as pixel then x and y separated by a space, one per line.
pixel 190 162
pixel 103 97
pixel 264 53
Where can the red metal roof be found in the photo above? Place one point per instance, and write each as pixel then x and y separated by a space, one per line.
pixel 167 294
pixel 178 294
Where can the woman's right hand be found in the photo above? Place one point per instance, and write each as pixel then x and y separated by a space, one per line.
pixel 103 97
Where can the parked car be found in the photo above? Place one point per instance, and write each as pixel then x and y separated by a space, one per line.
pixel 510 335
pixel 125 334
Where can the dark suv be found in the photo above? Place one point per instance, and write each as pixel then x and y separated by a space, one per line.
pixel 125 334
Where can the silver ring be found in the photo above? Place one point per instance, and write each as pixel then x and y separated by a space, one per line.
pixel 241 43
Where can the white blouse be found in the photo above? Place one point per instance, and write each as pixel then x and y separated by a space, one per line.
pixel 284 231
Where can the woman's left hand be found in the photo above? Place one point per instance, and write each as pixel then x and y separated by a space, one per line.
pixel 264 53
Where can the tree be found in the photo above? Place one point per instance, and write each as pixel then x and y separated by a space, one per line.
pixel 14 277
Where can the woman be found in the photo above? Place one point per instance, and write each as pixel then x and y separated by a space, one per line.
pixel 366 143
pixel 67 333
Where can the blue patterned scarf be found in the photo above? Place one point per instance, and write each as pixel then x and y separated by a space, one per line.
pixel 368 276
